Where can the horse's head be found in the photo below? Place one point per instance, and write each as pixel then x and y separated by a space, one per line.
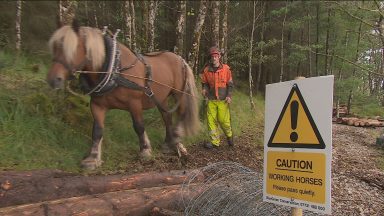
pixel 74 48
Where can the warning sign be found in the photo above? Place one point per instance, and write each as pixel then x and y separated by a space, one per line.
pixel 298 143
pixel 297 175
pixel 295 127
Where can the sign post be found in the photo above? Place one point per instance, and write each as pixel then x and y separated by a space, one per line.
pixel 298 144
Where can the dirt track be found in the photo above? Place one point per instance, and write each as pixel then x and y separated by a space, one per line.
pixel 357 182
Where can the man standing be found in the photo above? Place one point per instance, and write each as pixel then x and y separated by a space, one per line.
pixel 217 87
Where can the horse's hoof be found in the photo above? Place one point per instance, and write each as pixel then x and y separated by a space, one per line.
pixel 90 163
pixel 181 150
pixel 165 149
pixel 146 154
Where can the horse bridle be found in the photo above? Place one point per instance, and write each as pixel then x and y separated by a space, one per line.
pixel 71 69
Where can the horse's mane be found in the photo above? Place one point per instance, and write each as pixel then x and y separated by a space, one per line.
pixel 66 39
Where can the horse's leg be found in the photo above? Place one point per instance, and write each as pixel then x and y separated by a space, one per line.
pixel 178 130
pixel 168 145
pixel 138 125
pixel 94 159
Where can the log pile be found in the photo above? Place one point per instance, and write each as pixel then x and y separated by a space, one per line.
pixel 342 110
pixel 140 194
pixel 360 122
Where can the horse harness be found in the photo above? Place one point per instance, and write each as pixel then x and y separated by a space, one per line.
pixel 113 77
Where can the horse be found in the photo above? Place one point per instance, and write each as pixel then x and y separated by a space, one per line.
pixel 119 78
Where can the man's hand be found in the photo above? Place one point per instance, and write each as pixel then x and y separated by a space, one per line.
pixel 204 93
pixel 228 100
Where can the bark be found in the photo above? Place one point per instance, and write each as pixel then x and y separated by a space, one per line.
pixel 259 82
pixel 128 23
pixel 180 28
pixel 48 185
pixel 133 20
pixel 216 22
pixel 359 122
pixel 67 11
pixel 327 41
pixel 309 44
pixel 18 24
pixel 95 17
pixel 128 202
pixel 250 77
pixel 151 24
pixel 193 54
pixel 350 95
pixel 317 38
pixel 224 34
pixel 282 45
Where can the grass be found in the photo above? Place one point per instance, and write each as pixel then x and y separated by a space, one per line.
pixel 42 128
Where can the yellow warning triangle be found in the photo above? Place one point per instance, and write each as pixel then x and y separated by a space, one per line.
pixel 295 127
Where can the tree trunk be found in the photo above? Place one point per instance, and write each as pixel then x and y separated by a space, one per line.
pixel 250 77
pixel 129 202
pixel 224 34
pixel 258 82
pixel 317 38
pixel 309 45
pixel 327 41
pixel 67 11
pixel 95 16
pixel 53 185
pixel 18 24
pixel 216 22
pixel 350 95
pixel 193 54
pixel 151 24
pixel 180 28
pixel 128 23
pixel 133 20
pixel 282 45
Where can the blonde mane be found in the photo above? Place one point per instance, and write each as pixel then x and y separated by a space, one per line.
pixel 67 40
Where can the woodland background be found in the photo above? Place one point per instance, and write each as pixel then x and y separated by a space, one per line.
pixel 263 41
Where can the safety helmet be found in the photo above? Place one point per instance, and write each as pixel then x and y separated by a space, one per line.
pixel 214 50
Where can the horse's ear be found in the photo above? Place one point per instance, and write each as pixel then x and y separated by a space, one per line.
pixel 75 25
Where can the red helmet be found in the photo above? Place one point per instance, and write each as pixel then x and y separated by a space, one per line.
pixel 214 50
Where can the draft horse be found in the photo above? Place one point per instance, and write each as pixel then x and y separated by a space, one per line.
pixel 117 78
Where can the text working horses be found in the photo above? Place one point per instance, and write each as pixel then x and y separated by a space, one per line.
pixel 129 82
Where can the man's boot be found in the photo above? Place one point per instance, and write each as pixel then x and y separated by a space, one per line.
pixel 230 141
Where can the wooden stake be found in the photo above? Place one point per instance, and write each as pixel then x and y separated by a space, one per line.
pixel 296 211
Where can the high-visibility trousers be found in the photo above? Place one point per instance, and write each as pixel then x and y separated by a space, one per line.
pixel 218 113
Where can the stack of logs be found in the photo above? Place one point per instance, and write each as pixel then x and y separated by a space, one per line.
pixel 361 122
pixel 47 193
pixel 342 111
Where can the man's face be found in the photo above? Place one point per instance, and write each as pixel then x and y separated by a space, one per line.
pixel 215 58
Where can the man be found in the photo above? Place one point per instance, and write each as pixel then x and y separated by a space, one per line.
pixel 217 87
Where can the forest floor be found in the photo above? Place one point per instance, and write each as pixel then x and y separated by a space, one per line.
pixel 357 180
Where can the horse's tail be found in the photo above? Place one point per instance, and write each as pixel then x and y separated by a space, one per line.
pixel 190 119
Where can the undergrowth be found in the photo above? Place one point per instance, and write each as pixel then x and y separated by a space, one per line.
pixel 45 128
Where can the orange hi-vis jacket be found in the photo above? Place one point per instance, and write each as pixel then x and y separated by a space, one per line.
pixel 218 82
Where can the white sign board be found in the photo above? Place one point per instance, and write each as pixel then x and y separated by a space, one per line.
pixel 298 143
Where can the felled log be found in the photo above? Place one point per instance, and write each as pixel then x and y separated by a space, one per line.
pixel 135 202
pixel 50 185
pixel 360 122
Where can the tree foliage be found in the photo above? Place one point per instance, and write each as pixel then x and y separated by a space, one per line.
pixel 318 36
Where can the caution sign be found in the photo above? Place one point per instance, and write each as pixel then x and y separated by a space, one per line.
pixel 296 175
pixel 295 127
pixel 298 144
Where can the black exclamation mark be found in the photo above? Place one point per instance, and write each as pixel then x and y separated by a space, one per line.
pixel 294 112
